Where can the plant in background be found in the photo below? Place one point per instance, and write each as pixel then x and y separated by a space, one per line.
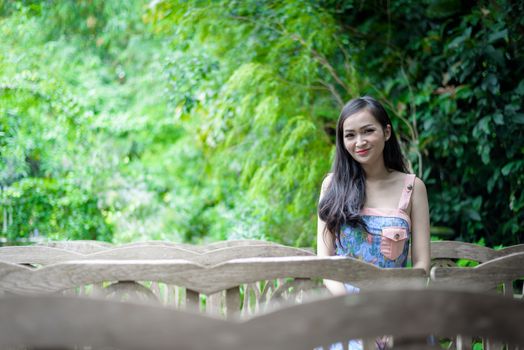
pixel 208 120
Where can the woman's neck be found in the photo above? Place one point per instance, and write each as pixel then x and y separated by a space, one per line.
pixel 376 172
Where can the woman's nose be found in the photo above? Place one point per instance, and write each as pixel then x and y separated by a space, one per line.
pixel 361 140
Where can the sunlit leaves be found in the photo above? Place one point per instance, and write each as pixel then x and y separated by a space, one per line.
pixel 204 120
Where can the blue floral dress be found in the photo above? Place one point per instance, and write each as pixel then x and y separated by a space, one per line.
pixel 384 244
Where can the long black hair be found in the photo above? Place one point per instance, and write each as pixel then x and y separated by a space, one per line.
pixel 345 196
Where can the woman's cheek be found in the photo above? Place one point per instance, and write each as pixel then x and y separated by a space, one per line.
pixel 347 145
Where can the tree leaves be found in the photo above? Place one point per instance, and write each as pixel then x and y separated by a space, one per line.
pixel 209 120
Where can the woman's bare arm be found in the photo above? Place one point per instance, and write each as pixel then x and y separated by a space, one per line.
pixel 325 246
pixel 420 252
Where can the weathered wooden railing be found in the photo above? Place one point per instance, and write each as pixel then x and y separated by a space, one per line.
pixel 268 280
pixel 497 266
pixel 502 267
pixel 181 296
pixel 498 270
pixel 58 322
pixel 446 253
pixel 231 278
pixel 499 274
pixel 206 255
pixel 86 246
pixel 443 253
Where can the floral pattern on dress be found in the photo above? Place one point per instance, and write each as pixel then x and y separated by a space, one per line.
pixel 365 246
pixel 359 244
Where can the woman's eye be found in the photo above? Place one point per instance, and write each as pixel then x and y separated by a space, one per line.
pixel 369 131
pixel 348 136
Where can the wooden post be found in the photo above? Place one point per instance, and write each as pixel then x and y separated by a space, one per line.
pixel 464 342
pixel 232 302
pixel 192 300
pixel 213 303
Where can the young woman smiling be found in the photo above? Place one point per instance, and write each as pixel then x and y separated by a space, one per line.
pixel 370 208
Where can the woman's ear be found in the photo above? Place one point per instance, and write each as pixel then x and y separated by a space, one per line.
pixel 387 132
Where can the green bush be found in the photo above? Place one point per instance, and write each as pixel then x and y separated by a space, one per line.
pixel 206 120
pixel 37 208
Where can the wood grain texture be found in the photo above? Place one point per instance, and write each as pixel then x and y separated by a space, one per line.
pixel 203 247
pixel 49 322
pixel 233 302
pixel 475 252
pixel 79 246
pixel 88 246
pixel 22 280
pixel 414 313
pixel 485 276
pixel 192 300
pixel 128 290
pixel 42 255
pixel 250 270
pixel 50 255
pixel 401 313
pixel 439 249
pixel 203 279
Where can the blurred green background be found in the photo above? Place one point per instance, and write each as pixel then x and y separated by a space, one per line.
pixel 196 121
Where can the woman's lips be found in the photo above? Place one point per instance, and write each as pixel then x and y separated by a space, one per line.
pixel 362 152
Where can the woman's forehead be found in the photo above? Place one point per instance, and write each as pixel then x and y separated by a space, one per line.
pixel 359 120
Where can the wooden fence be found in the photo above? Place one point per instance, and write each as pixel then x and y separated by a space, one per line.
pixel 236 278
pixel 262 281
pixel 211 254
pixel 501 269
pixel 446 253
pixel 58 322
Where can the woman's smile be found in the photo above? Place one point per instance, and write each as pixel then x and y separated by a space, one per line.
pixel 364 138
pixel 362 152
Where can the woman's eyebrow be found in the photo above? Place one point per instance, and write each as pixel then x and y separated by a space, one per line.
pixel 362 127
pixel 366 126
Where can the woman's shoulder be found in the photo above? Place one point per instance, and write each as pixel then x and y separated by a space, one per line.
pixel 326 181
pixel 328 177
pixel 406 177
pixel 419 192
pixel 397 178
pixel 411 179
pixel 403 180
pixel 419 187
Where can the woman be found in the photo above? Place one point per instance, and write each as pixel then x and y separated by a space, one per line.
pixel 370 208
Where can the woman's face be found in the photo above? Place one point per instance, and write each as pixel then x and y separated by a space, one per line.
pixel 364 137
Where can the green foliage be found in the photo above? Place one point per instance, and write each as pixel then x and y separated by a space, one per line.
pixel 52 142
pixel 57 209
pixel 246 90
pixel 205 120
pixel 454 71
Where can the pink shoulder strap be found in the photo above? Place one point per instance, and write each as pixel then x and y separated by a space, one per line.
pixel 409 181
